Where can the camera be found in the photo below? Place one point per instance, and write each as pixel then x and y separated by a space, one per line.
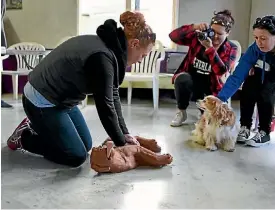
pixel 206 33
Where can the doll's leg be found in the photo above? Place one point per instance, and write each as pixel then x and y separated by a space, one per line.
pixel 146 157
pixel 150 144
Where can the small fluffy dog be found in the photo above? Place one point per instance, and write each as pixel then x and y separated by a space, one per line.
pixel 217 126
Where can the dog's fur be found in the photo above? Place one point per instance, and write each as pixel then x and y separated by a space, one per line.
pixel 217 126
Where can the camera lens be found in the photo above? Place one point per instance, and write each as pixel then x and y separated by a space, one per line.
pixel 202 36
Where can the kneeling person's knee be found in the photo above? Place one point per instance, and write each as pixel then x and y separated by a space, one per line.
pixel 183 79
pixel 77 159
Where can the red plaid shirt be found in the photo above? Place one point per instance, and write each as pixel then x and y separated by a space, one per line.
pixel 221 60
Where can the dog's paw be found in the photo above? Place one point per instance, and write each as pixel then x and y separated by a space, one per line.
pixel 211 147
pixel 194 132
pixel 200 142
pixel 229 149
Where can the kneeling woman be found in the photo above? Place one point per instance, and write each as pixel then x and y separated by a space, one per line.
pixel 257 70
pixel 82 65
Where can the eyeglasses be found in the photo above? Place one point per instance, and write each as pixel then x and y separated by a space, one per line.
pixel 265 22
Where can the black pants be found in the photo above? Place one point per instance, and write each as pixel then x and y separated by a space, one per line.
pixel 188 88
pixel 62 134
pixel 254 91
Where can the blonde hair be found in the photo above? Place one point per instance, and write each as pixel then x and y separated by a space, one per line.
pixel 135 27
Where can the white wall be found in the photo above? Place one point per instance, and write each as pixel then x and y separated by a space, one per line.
pixel 48 21
pixel 259 9
pixel 196 11
pixel 42 21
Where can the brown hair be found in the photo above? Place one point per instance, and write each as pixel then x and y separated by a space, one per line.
pixel 135 27
pixel 223 18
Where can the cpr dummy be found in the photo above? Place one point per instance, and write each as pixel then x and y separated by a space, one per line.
pixel 110 159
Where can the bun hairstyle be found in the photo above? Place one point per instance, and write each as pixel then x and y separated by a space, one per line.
pixel 135 27
pixel 223 18
pixel 266 22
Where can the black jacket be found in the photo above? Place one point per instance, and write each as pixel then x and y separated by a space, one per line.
pixel 87 64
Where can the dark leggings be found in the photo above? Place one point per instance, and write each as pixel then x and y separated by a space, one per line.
pixel 62 134
pixel 255 92
pixel 188 88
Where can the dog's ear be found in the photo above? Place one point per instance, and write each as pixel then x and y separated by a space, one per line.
pixel 229 118
pixel 217 111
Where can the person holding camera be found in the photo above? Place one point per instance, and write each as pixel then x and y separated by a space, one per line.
pixel 210 56
pixel 256 70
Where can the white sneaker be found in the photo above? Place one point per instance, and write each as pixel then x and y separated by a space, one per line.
pixel 179 119
pixel 243 134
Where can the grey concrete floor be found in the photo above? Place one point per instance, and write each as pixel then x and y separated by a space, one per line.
pixel 196 179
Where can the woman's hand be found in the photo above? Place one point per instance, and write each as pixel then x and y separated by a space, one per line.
pixel 251 72
pixel 131 139
pixel 200 27
pixel 206 43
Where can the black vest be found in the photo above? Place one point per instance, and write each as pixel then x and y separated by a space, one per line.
pixel 60 77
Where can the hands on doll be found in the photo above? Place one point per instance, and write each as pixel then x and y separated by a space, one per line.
pixel 108 158
pixel 130 140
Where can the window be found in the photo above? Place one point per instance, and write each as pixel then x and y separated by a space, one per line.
pixel 159 14
pixel 93 13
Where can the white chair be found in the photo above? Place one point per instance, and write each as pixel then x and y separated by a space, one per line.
pixel 1 67
pixel 22 68
pixel 147 70
pixel 238 56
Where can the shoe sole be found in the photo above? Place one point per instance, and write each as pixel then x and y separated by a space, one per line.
pixel 254 144
pixel 176 125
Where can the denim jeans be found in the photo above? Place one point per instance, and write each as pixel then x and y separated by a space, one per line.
pixel 61 134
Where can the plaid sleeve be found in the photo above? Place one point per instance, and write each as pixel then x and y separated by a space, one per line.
pixel 221 63
pixel 183 35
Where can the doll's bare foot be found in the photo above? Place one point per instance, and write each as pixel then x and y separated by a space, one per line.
pixel 150 144
pixel 165 159
pixel 153 145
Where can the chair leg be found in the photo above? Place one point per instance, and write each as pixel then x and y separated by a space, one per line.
pixel 229 102
pixel 129 94
pixel 15 86
pixel 156 93
pixel 85 102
